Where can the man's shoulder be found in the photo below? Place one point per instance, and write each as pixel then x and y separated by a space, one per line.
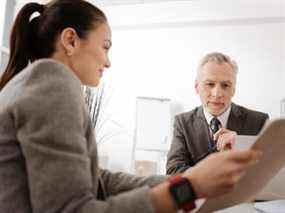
pixel 190 115
pixel 250 112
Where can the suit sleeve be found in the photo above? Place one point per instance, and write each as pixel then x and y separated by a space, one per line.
pixel 178 158
pixel 264 120
pixel 50 123
pixel 255 122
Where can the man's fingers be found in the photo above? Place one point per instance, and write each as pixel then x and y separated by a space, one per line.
pixel 228 146
pixel 219 132
pixel 223 131
pixel 226 142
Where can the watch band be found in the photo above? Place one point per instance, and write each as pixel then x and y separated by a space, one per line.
pixel 182 192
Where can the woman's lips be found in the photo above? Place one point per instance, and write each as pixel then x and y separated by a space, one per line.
pixel 100 72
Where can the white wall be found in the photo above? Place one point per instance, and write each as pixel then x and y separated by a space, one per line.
pixel 21 3
pixel 156 48
pixel 2 13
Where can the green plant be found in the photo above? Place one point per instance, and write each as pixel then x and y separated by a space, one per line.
pixel 97 102
pixel 94 100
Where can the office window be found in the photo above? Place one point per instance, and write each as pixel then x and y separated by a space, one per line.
pixel 6 20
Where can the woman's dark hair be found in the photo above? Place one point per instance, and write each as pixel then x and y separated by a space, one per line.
pixel 33 38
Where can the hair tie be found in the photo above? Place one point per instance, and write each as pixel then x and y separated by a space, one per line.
pixel 41 8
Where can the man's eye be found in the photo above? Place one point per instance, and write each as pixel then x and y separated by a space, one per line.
pixel 225 86
pixel 210 84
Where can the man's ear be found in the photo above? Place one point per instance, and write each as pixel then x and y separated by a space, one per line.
pixel 69 40
pixel 197 86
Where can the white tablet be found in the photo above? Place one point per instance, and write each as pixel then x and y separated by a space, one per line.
pixel 271 141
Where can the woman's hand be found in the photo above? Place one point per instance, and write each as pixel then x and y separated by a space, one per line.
pixel 219 172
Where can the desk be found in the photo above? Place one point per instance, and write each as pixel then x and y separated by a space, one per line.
pixel 276 206
pixel 244 208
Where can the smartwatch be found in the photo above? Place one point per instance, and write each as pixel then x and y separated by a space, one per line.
pixel 182 192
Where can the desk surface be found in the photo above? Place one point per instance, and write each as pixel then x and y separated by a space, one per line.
pixel 244 208
pixel 276 206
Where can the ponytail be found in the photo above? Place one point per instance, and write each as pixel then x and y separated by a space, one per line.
pixel 21 42
pixel 36 38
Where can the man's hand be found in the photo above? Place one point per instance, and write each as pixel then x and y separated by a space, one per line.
pixel 219 172
pixel 225 139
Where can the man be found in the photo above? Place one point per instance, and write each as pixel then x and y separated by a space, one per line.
pixel 211 127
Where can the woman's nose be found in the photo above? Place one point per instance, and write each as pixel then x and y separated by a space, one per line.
pixel 108 63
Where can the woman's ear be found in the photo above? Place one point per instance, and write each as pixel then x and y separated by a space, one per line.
pixel 69 40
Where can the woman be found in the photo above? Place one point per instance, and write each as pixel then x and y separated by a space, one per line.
pixel 48 155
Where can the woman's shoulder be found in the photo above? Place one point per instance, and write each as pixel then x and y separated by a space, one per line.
pixel 48 77
pixel 42 71
pixel 50 69
pixel 45 78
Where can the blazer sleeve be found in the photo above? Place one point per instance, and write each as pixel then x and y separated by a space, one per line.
pixel 264 120
pixel 254 122
pixel 119 182
pixel 50 122
pixel 178 157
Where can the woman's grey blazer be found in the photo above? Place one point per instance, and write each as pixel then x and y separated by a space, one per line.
pixel 48 154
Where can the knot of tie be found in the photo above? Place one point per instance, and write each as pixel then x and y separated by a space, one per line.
pixel 215 125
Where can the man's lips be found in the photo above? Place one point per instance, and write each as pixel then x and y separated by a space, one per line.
pixel 216 104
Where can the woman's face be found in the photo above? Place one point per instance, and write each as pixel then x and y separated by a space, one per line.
pixel 90 57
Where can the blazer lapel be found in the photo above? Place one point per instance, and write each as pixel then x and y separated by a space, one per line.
pixel 236 119
pixel 101 192
pixel 203 134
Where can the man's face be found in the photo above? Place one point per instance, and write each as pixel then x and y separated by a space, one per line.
pixel 215 85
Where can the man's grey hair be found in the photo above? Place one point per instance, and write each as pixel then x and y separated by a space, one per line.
pixel 218 58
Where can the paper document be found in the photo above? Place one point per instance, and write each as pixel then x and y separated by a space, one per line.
pixel 244 142
pixel 271 141
pixel 275 189
pixel 276 206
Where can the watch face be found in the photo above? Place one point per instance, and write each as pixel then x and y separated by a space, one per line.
pixel 183 192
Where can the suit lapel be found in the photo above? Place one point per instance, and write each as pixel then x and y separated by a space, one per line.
pixel 236 119
pixel 202 132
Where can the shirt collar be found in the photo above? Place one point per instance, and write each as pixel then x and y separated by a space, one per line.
pixel 223 118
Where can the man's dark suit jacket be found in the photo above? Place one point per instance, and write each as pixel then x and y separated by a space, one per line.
pixel 191 134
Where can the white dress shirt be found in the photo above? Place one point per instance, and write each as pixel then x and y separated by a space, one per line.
pixel 223 118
